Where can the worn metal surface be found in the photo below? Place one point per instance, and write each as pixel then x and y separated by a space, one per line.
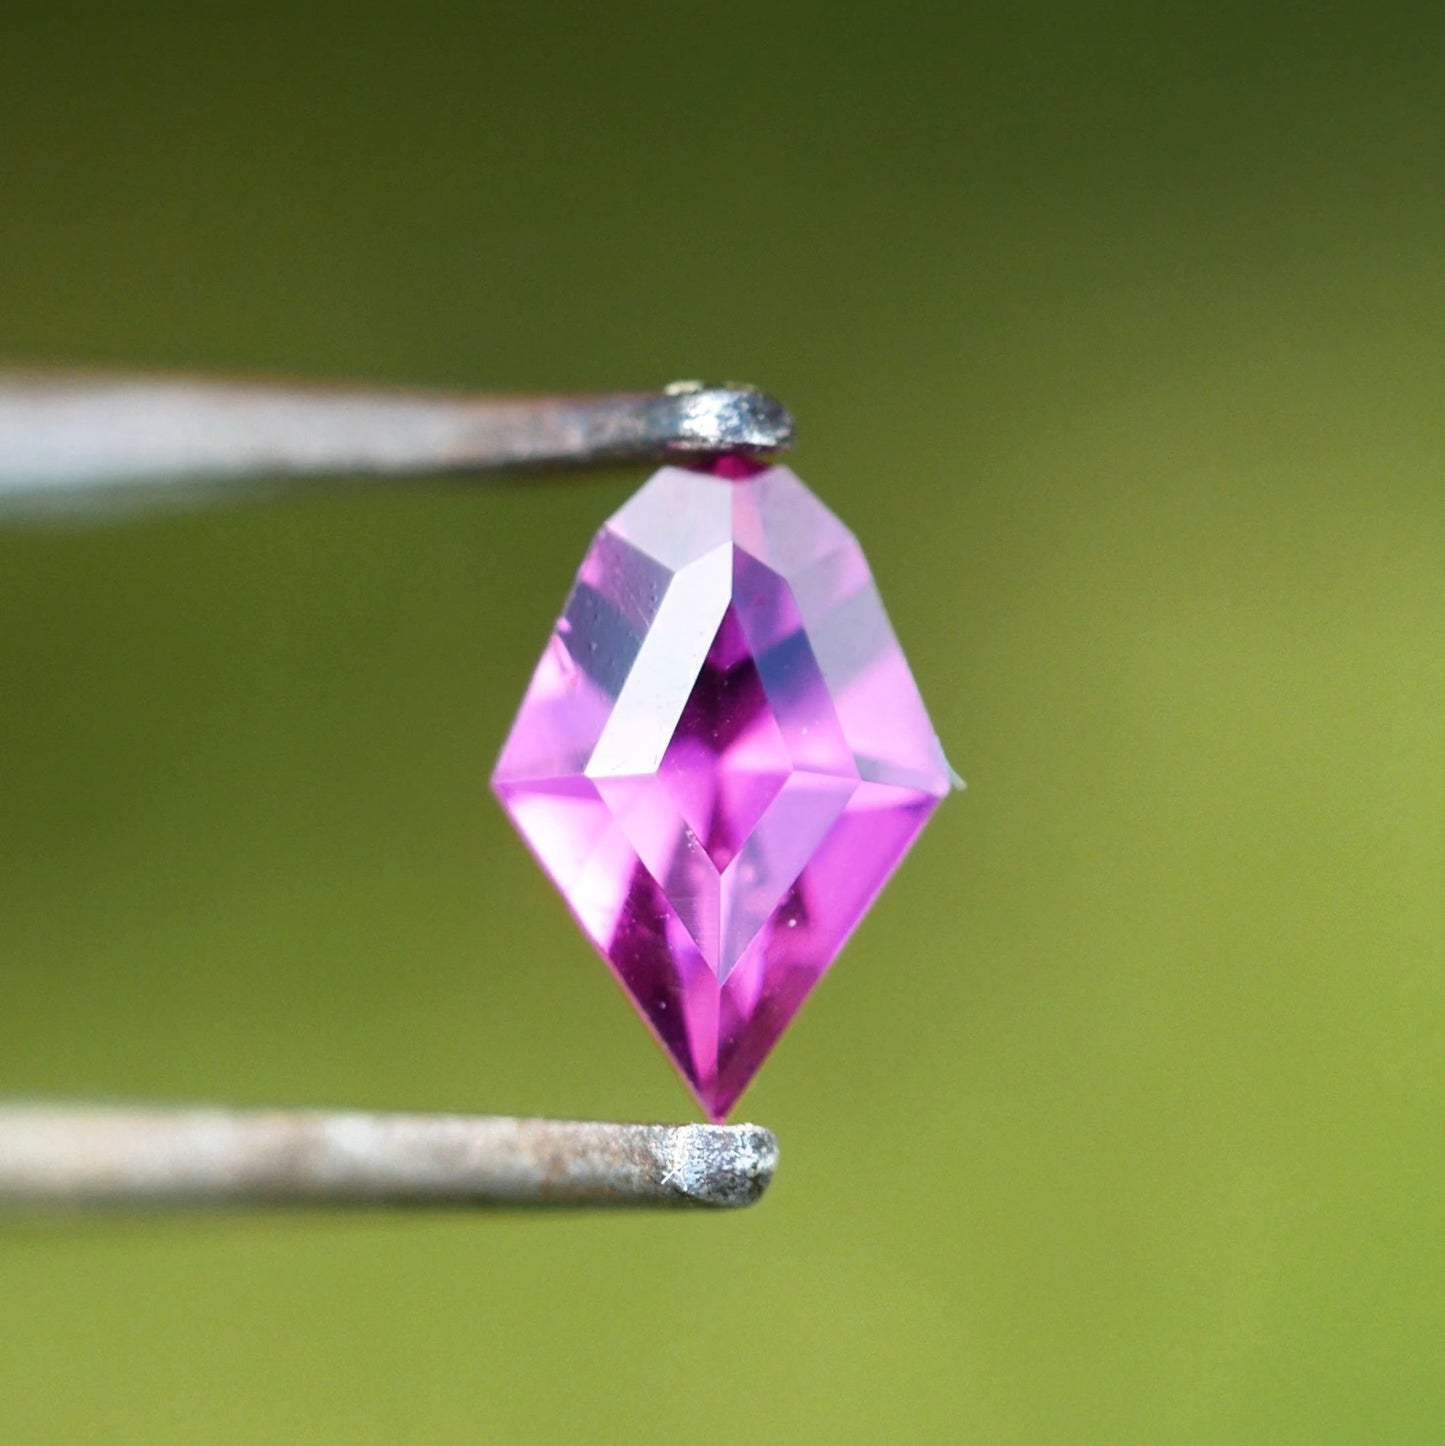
pixel 75 440
pixel 54 1156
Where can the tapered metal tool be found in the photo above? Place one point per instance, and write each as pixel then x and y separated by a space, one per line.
pixel 78 443
pixel 55 1156
pixel 77 440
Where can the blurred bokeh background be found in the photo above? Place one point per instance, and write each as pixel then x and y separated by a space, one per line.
pixel 1116 333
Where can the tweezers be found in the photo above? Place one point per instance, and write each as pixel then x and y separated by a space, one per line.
pixel 77 442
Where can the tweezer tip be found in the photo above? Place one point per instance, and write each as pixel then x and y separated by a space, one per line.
pixel 730 418
pixel 722 1165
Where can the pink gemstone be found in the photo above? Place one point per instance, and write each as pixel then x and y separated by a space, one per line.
pixel 721 758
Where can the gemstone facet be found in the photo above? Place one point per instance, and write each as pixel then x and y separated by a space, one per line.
pixel 721 758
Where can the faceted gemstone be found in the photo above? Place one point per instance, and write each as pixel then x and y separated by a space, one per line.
pixel 721 758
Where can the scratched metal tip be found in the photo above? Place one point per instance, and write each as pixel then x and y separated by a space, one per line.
pixel 722 1165
pixel 732 418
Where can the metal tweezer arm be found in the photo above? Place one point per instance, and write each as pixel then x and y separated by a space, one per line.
pixel 69 440
pixel 74 441
pixel 54 1156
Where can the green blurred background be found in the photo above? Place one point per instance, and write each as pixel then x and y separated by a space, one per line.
pixel 1117 335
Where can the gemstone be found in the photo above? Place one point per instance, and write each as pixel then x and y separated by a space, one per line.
pixel 721 758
